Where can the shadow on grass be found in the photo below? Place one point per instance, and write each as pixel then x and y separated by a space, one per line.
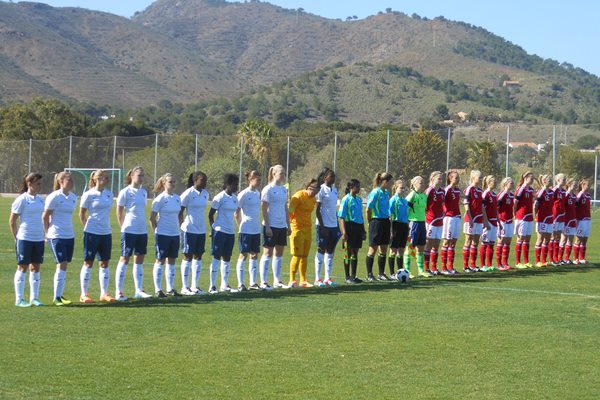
pixel 418 283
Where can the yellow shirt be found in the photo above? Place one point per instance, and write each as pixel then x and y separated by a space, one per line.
pixel 301 207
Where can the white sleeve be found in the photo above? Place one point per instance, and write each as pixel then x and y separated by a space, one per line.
pixel 122 198
pixel 84 201
pixel 17 205
pixel 50 202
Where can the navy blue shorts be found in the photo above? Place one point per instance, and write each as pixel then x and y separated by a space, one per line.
pixel 132 243
pixel 222 244
pixel 418 233
pixel 167 247
pixel 62 249
pixel 279 237
pixel 330 240
pixel 193 243
pixel 249 243
pixel 29 252
pixel 99 246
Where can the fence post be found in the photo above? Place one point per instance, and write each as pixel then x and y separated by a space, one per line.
pixel 70 149
pixel 553 151
pixel 196 153
pixel 507 148
pixel 596 177
pixel 387 152
pixel 335 150
pixel 29 163
pixel 287 162
pixel 448 151
pixel 155 155
pixel 241 154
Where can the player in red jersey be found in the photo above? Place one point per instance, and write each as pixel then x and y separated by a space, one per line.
pixel 523 212
pixel 584 221
pixel 506 200
pixel 452 220
pixel 475 219
pixel 489 235
pixel 566 241
pixel 558 216
pixel 542 208
pixel 434 221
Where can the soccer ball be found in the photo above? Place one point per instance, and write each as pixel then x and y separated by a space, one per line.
pixel 403 276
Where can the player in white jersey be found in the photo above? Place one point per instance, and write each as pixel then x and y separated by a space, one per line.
pixel 247 217
pixel 29 239
pixel 166 207
pixel 328 230
pixel 97 234
pixel 276 226
pixel 224 205
pixel 194 201
pixel 131 215
pixel 58 225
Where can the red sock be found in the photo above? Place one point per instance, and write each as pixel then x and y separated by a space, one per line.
pixel 505 254
pixel 544 253
pixel 537 251
pixel 518 247
pixel 466 256
pixel 499 251
pixel 444 257
pixel 426 256
pixel 434 257
pixel 576 252
pixel 557 248
pixel 473 258
pixel 550 250
pixel 482 251
pixel 489 254
pixel 525 250
pixel 582 249
pixel 561 253
pixel 568 249
pixel 451 257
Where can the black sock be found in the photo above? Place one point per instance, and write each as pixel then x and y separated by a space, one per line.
pixel 391 262
pixel 381 264
pixel 347 267
pixel 400 262
pixel 370 260
pixel 354 265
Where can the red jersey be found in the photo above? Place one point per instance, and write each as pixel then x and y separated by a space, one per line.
pixel 584 200
pixel 558 208
pixel 506 201
pixel 491 207
pixel 544 200
pixel 451 201
pixel 474 199
pixel 524 199
pixel 434 212
pixel 570 209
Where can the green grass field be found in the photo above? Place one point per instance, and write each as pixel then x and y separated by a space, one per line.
pixel 513 335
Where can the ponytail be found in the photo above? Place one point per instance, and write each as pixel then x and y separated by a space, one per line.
pixel 130 173
pixel 433 175
pixel 559 177
pixel 380 177
pixel 475 174
pixel 541 179
pixel 193 176
pixel 28 180
pixel 251 175
pixel 311 182
pixel 94 177
pixel 352 183
pixel 522 180
pixel 59 177
pixel 581 183
pixel 414 181
pixel 324 173
pixel 397 184
pixel 159 186
pixel 486 181
pixel 272 170
pixel 505 182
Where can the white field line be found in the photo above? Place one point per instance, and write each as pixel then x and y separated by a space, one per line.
pixel 518 290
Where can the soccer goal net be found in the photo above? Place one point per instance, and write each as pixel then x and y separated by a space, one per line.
pixel 81 179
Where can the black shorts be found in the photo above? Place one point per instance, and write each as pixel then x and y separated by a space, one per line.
pixel 279 237
pixel 379 232
pixel 399 235
pixel 355 234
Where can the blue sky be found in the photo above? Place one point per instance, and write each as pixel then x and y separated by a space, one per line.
pixel 562 30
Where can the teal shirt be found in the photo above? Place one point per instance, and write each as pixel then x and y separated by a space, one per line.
pixel 399 209
pixel 379 203
pixel 351 209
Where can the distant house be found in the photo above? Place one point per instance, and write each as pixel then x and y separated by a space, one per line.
pixel 511 84
pixel 536 147
pixel 462 116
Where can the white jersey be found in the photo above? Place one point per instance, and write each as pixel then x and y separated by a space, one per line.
pixel 168 207
pixel 225 205
pixel 134 202
pixel 61 220
pixel 98 205
pixel 195 204
pixel 249 203
pixel 276 197
pixel 29 208
pixel 328 198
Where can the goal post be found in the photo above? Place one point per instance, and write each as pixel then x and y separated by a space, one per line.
pixel 81 178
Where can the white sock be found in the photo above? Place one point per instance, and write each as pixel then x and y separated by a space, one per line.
pixel 264 268
pixel 34 285
pixel 328 265
pixel 170 277
pixel 84 278
pixel 60 278
pixel 239 268
pixel 120 277
pixel 224 273
pixel 157 273
pixel 318 265
pixel 277 261
pixel 104 276
pixel 214 270
pixel 196 269
pixel 185 273
pixel 252 271
pixel 138 277
pixel 19 285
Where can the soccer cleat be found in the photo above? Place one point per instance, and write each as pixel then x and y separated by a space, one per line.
pixel 265 286
pixel 23 304
pixel 452 271
pixel 319 283
pixel 445 272
pixel 330 282
pixel 358 280
pixel 228 289
pixel 107 298
pixel 198 291
pixel 383 277
pixel 350 280
pixel 520 266
pixel 468 270
pixel 173 293
pixel 121 297
pixel 425 274
pixel 575 262
pixel 242 288
pixel 293 284
pixel 86 299
pixel 435 272
pixel 36 303
pixel 186 291
pixel 305 284
pixel 539 264
pixel 57 302
pixel 528 265
pixel 393 277
pixel 212 290
pixel 141 295
pixel 65 301
pixel 582 261
pixel 160 294
pixel 280 285
pixel 370 278
pixel 254 287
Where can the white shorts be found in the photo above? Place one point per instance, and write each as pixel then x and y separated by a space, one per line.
pixel 433 232
pixel 523 228
pixel 583 228
pixel 451 229
pixel 489 235
pixel 475 229
pixel 558 227
pixel 541 227
pixel 505 230
pixel 570 228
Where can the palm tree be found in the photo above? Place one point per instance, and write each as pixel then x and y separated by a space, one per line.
pixel 257 136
